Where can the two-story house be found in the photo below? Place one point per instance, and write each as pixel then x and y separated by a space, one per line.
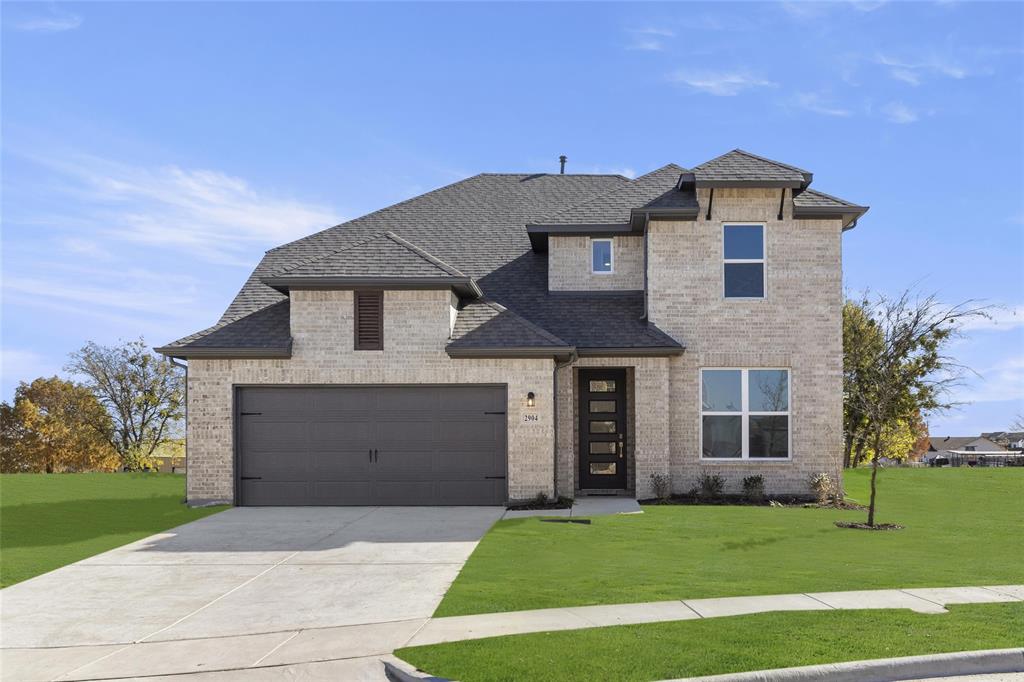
pixel 516 334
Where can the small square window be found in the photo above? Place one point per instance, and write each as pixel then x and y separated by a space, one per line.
pixel 601 256
pixel 602 468
pixel 602 385
pixel 604 427
pixel 600 406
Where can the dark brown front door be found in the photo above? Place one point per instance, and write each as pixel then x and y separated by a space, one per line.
pixel 602 427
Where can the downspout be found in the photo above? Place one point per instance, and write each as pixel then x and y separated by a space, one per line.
pixel 573 356
pixel 647 226
pixel 188 466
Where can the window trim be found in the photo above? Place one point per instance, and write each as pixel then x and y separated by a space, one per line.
pixel 744 414
pixel 763 260
pixel 611 257
pixel 379 294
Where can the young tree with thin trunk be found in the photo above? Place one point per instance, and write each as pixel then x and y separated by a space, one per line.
pixel 905 375
pixel 143 394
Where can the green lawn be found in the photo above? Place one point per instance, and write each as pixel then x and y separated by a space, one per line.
pixel 963 527
pixel 722 645
pixel 50 520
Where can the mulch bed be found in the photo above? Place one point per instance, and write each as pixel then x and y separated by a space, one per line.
pixel 864 526
pixel 533 505
pixel 734 500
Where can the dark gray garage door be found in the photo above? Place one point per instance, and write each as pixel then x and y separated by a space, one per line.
pixel 371 445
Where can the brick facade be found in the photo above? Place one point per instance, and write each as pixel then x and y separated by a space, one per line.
pixel 416 330
pixel 569 264
pixel 797 325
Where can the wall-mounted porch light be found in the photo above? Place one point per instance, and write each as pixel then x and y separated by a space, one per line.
pixel 530 399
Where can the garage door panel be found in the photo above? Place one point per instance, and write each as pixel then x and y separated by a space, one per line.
pixel 392 430
pixel 261 431
pixel 337 464
pixel 274 493
pixel 470 400
pixel 382 445
pixel 351 399
pixel 472 492
pixel 358 430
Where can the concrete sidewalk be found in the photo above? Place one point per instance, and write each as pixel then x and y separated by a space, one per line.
pixel 922 600
pixel 356 652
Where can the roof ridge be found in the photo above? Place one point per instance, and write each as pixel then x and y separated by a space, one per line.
pixel 751 155
pixel 519 318
pixel 424 254
pixel 629 185
pixel 312 259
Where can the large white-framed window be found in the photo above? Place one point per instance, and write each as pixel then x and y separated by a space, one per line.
pixel 602 256
pixel 745 413
pixel 744 271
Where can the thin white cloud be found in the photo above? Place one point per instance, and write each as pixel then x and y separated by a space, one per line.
pixel 1002 381
pixel 913 71
pixel 84 247
pixel 720 83
pixel 57 22
pixel 207 214
pixel 649 39
pixel 897 112
pixel 818 104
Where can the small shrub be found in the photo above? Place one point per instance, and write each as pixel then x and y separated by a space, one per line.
pixel 710 486
pixel 753 488
pixel 661 484
pixel 823 487
pixel 540 499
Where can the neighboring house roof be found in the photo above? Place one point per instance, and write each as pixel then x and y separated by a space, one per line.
pixel 738 168
pixel 959 443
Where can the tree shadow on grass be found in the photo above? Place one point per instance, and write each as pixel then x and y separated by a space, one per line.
pixel 47 524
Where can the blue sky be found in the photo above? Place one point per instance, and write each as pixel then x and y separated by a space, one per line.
pixel 152 152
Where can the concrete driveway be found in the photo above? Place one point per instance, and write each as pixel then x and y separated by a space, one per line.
pixel 302 593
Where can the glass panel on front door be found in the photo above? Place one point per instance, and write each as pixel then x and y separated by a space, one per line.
pixel 602 429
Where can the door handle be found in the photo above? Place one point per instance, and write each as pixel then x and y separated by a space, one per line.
pixel 375 455
pixel 369 455
pixel 622 447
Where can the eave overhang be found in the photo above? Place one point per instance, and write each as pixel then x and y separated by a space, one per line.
pixel 538 233
pixel 848 214
pixel 465 287
pixel 795 184
pixel 510 352
pixel 213 352
pixel 647 351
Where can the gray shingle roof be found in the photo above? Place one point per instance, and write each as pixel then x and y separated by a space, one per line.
pixel 959 442
pixel 485 324
pixel 382 255
pixel 657 187
pixel 812 197
pixel 742 166
pixel 266 328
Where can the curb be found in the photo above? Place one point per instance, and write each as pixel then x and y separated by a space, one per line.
pixel 887 669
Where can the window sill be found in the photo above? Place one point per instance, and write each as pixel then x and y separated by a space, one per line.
pixel 748 460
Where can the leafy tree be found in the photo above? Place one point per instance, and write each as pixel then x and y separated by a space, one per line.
pixel 1018 423
pixel 143 395
pixel 55 425
pixel 906 376
pixel 862 341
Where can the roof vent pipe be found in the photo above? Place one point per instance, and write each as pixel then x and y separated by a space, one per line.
pixel 561 160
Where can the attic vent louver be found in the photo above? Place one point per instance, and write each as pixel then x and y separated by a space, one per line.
pixel 368 320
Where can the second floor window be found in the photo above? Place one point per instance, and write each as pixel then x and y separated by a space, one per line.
pixel 601 256
pixel 744 273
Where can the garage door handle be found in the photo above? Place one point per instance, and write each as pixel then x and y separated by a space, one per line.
pixel 249 414
pixel 500 478
pixel 494 413
pixel 252 478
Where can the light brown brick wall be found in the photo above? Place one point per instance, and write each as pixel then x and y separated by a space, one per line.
pixel 798 325
pixel 416 330
pixel 569 265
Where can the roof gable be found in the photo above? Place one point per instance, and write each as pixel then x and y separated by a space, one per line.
pixel 382 255
pixel 740 168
